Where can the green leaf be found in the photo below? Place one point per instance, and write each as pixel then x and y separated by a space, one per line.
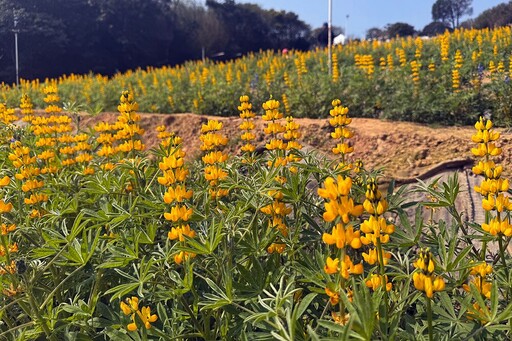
pixel 121 290
pixel 305 303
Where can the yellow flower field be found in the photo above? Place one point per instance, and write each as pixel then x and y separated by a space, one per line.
pixel 102 238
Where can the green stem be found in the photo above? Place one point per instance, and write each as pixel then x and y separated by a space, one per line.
pixel 10 330
pixel 39 317
pixel 93 297
pixel 429 320
pixel 50 295
pixel 195 322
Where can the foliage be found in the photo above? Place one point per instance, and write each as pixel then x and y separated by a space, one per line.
pixel 60 37
pixel 434 28
pixel 449 79
pixel 400 29
pixel 500 15
pixel 102 240
pixel 450 11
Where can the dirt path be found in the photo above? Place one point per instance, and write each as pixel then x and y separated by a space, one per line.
pixel 403 150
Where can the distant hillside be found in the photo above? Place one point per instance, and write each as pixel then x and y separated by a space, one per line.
pixel 497 16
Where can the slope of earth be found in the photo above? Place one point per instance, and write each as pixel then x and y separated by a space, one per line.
pixel 403 150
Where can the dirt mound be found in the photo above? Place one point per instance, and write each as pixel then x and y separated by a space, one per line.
pixel 403 150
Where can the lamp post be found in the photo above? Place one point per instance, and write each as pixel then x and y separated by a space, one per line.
pixel 346 27
pixel 16 31
pixel 329 36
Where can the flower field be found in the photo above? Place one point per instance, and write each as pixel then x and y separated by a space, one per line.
pixel 105 239
pixel 452 79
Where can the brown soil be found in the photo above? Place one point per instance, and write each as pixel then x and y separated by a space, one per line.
pixel 402 149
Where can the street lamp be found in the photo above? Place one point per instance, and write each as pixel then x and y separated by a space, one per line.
pixel 329 36
pixel 346 27
pixel 16 31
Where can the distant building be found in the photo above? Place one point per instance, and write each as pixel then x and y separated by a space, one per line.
pixel 339 40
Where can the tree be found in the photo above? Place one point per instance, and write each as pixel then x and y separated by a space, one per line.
pixel 400 29
pixel 375 33
pixel 434 28
pixel 450 11
pixel 500 15
pixel 287 30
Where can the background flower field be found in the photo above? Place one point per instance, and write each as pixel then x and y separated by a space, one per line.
pixel 103 238
pixel 453 78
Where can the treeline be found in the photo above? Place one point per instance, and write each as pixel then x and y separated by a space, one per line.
pixel 500 15
pixel 106 36
pixel 446 15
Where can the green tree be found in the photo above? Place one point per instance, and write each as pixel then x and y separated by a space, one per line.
pixel 450 11
pixel 434 28
pixel 500 15
pixel 375 33
pixel 400 29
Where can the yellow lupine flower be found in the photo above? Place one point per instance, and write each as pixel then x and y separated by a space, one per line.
pixel 344 208
pixel 495 226
pixel 247 125
pixel 492 186
pixel 5 229
pixel 214 157
pixel 375 282
pixel 130 305
pixel 424 278
pixel 5 207
pixel 30 185
pixel 178 213
pixel 342 148
pixel 171 162
pixel 347 268
pixel 275 144
pixel 334 297
pixel 277 207
pixel 213 174
pixel 178 193
pixel 276 247
pixel 36 198
pixel 342 236
pixel 428 284
pixel 372 256
pixel 146 317
pixel 483 286
pixel 211 125
pixel 182 255
pixel 334 189
pixel 180 231
pixel 5 181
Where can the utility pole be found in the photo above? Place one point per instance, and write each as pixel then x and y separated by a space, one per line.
pixel 329 36
pixel 16 31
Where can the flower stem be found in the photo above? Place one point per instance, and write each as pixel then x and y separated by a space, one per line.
pixel 429 320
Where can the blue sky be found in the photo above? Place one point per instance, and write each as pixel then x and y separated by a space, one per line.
pixel 364 14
